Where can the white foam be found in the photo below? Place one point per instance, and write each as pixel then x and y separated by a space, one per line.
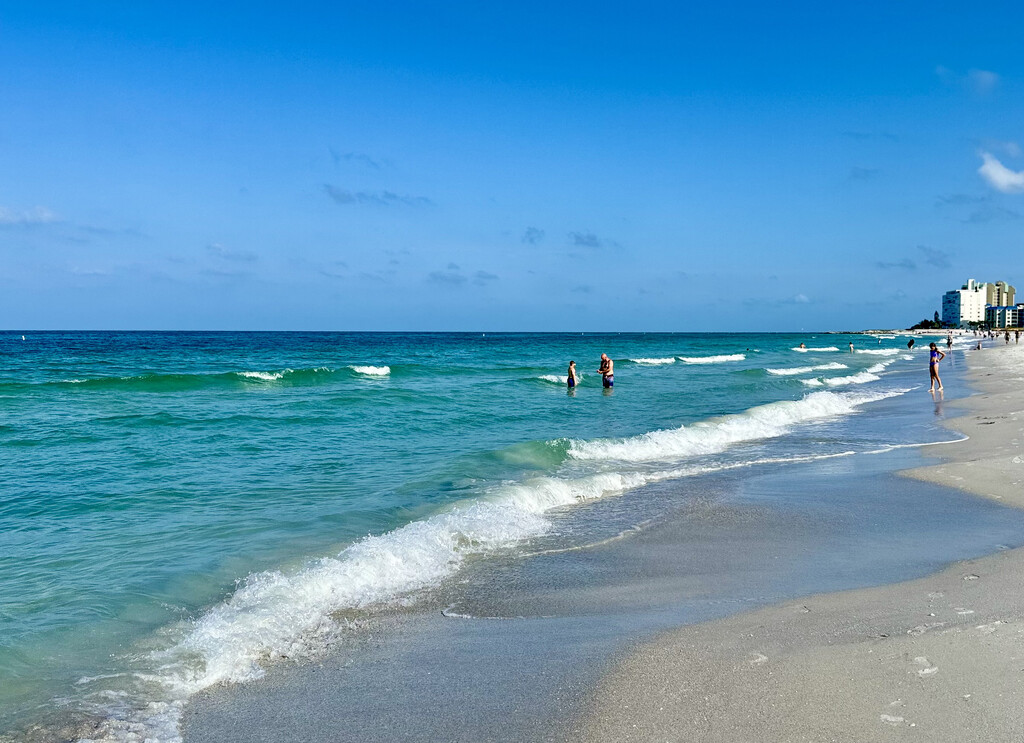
pixel 819 349
pixel 717 434
pixel 554 378
pixel 275 615
pixel 879 351
pixel 372 371
pixel 876 369
pixel 653 362
pixel 265 376
pixel 813 382
pixel 806 369
pixel 712 359
pixel 861 378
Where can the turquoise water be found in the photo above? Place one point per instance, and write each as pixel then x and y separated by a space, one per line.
pixel 180 509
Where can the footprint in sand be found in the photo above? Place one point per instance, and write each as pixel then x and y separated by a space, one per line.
pixel 922 628
pixel 758 659
pixel 891 719
pixel 925 666
pixel 988 629
pixel 972 576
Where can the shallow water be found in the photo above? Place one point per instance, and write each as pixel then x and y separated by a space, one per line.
pixel 145 474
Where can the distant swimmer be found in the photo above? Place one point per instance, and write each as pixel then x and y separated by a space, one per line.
pixel 803 345
pixel 571 377
pixel 933 366
pixel 851 346
pixel 910 344
pixel 607 371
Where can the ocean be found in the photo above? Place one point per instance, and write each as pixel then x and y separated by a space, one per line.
pixel 181 510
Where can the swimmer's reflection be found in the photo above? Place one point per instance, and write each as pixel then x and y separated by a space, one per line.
pixel 937 397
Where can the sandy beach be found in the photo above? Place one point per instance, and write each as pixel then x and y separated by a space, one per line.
pixel 939 658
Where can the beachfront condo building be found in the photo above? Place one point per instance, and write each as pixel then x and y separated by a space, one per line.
pixel 1000 294
pixel 968 304
pixel 1005 317
pixel 965 305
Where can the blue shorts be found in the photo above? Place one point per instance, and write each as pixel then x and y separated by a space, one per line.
pixel 608 380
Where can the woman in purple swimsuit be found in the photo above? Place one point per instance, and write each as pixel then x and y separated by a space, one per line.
pixel 933 366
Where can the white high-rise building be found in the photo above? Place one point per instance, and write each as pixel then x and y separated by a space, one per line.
pixel 965 305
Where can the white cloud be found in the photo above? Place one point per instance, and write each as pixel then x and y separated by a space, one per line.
pixel 999 176
pixel 38 215
pixel 981 82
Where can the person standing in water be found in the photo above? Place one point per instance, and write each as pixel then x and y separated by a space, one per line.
pixel 910 344
pixel 851 346
pixel 933 366
pixel 571 377
pixel 607 371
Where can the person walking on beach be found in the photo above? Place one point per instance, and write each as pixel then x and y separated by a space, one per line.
pixel 607 371
pixel 571 377
pixel 933 367
pixel 949 342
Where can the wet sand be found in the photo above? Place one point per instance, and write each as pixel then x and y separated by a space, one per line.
pixel 935 659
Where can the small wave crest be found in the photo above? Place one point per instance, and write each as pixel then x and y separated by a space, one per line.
pixel 653 362
pixel 806 369
pixel 372 371
pixel 721 359
pixel 820 349
pixel 879 351
pixel 265 376
pixel 860 378
pixel 553 378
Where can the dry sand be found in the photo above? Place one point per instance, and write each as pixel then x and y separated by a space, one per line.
pixel 935 659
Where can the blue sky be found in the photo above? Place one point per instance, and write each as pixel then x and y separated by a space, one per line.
pixel 597 166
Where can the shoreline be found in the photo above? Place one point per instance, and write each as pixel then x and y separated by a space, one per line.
pixel 936 658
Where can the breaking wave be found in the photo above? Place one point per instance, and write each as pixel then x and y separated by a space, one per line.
pixel 372 371
pixel 653 362
pixel 712 359
pixel 717 434
pixel 806 369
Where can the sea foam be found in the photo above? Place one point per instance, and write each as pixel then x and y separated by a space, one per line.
pixel 265 376
pixel 860 378
pixel 717 434
pixel 712 359
pixel 372 371
pixel 806 369
pixel 820 349
pixel 653 362
pixel 554 378
pixel 879 351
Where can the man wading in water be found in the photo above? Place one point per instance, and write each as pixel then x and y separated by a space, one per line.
pixel 607 371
